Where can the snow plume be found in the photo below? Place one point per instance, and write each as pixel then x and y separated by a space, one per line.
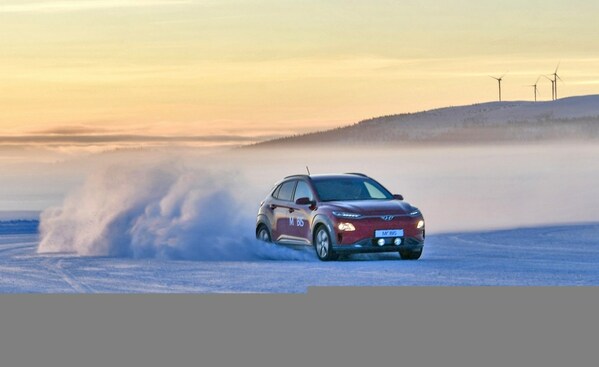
pixel 161 211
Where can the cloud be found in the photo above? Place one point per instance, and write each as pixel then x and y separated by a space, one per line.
pixel 71 130
pixel 82 5
pixel 72 137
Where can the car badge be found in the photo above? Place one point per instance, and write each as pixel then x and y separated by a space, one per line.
pixel 387 217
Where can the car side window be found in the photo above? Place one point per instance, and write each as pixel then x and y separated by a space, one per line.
pixel 286 190
pixel 275 192
pixel 303 190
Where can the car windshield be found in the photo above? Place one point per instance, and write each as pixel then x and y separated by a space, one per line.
pixel 350 188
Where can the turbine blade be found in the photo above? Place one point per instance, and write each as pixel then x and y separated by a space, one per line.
pixel 557 67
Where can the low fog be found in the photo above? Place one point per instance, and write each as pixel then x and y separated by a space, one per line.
pixel 163 204
pixel 460 188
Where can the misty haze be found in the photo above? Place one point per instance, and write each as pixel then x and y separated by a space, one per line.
pixel 503 212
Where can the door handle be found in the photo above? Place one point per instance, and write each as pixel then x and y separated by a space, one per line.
pixel 273 206
pixel 291 210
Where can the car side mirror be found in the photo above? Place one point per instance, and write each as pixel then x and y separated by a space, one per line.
pixel 398 197
pixel 304 201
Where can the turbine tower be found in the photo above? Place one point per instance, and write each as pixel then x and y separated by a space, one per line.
pixel 552 87
pixel 535 87
pixel 555 78
pixel 499 82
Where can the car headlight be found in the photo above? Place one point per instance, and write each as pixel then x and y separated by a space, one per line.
pixel 347 227
pixel 347 215
pixel 420 224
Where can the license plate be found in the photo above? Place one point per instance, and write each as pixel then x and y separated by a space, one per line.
pixel 388 233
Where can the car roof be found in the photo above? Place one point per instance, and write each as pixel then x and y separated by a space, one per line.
pixel 318 177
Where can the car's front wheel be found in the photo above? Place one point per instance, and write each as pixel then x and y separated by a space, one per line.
pixel 323 244
pixel 263 234
pixel 410 254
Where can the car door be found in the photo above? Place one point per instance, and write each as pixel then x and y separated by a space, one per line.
pixel 299 218
pixel 282 209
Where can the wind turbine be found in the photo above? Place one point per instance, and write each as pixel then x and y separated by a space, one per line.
pixel 499 82
pixel 535 87
pixel 555 78
pixel 552 87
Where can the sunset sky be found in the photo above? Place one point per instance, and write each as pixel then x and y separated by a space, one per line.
pixel 220 71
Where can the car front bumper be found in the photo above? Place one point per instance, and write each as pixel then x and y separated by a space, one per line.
pixel 369 245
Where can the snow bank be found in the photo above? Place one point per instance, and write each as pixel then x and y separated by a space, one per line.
pixel 164 211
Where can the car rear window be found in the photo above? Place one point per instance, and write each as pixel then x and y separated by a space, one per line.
pixel 286 191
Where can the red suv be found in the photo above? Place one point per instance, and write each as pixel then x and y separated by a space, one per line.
pixel 340 214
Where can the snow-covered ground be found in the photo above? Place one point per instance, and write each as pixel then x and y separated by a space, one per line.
pixel 556 255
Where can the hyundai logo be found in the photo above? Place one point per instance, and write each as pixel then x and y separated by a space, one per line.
pixel 387 217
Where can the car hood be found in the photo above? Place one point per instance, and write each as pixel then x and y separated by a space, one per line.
pixel 372 207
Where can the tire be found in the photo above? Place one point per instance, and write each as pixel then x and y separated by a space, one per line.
pixel 410 255
pixel 323 244
pixel 263 234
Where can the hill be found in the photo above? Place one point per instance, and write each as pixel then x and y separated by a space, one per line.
pixel 572 118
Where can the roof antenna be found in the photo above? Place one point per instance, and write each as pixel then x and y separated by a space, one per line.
pixel 308 169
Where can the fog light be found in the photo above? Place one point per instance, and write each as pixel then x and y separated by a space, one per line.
pixel 397 241
pixel 346 227
pixel 420 224
pixel 381 242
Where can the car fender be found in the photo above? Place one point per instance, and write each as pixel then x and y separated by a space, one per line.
pixel 263 219
pixel 326 221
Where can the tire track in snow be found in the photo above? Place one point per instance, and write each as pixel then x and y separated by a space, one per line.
pixel 55 265
pixel 18 248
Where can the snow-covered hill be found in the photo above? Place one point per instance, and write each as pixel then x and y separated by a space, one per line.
pixel 565 119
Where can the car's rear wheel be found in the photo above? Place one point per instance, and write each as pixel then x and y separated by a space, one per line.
pixel 263 234
pixel 323 244
pixel 410 254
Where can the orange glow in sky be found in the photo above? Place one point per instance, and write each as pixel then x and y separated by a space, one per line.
pixel 238 70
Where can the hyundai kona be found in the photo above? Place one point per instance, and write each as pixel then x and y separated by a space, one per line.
pixel 340 214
